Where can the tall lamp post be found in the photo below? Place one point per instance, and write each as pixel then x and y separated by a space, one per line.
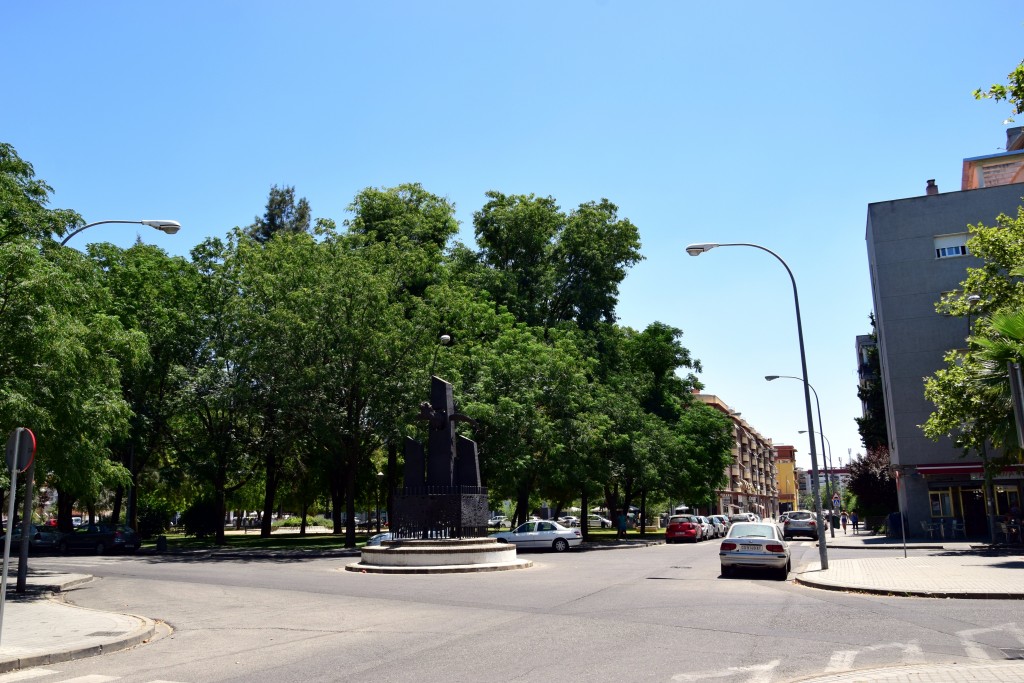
pixel 826 462
pixel 697 250
pixel 169 227
pixel 829 486
pixel 380 478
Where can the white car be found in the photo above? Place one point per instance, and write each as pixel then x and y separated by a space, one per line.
pixel 599 521
pixel 709 528
pixel 499 521
pixel 718 526
pixel 757 545
pixel 569 521
pixel 541 534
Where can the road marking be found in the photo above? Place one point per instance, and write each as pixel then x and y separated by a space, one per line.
pixel 26 675
pixel 759 673
pixel 92 678
pixel 977 650
pixel 842 660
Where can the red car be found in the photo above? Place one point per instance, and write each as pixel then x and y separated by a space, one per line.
pixel 683 528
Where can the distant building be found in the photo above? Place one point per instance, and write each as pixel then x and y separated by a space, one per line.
pixel 785 466
pixel 917 250
pixel 751 478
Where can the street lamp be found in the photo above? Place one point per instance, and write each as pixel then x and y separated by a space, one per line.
pixel 380 478
pixel 169 227
pixel 697 250
pixel 829 486
pixel 827 463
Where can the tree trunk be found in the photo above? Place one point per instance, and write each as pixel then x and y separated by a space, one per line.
pixel 391 480
pixel 116 513
pixel 269 491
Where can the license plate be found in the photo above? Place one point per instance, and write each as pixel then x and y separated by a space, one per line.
pixel 750 547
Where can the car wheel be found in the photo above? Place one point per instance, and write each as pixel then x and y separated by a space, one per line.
pixel 100 548
pixel 726 571
pixel 560 545
pixel 783 573
pixel 62 547
pixel 501 540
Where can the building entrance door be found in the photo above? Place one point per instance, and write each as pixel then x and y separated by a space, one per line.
pixel 972 501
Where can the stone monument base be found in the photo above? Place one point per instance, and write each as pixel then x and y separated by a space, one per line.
pixel 439 556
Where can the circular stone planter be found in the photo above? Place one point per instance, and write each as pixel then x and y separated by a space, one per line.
pixel 438 556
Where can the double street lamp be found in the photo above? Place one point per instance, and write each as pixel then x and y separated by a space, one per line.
pixel 697 250
pixel 169 227
pixel 826 462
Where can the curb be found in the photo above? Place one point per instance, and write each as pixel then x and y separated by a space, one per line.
pixel 905 593
pixel 141 634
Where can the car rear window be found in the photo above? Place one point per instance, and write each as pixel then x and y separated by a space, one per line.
pixel 799 515
pixel 678 519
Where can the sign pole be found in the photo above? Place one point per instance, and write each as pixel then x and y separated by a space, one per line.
pixel 7 540
pixel 21 451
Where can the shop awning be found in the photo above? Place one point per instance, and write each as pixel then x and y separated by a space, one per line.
pixel 964 468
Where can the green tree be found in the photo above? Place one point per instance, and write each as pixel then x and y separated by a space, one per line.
pixel 282 215
pixel 1012 92
pixel 153 295
pixel 23 200
pixel 872 425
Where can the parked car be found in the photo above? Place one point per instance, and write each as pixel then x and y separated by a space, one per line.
pixel 499 521
pixel 599 521
pixel 757 545
pixel 683 528
pixel 569 521
pixel 100 538
pixel 744 517
pixel 724 519
pixel 800 523
pixel 541 534
pixel 40 538
pixel 377 539
pixel 717 527
pixel 709 528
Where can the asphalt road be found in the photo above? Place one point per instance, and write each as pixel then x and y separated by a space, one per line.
pixel 661 613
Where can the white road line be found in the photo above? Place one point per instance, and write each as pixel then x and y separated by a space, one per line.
pixel 26 675
pixel 977 650
pixel 759 673
pixel 92 678
pixel 842 660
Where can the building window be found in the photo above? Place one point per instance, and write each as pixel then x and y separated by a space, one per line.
pixel 941 503
pixel 946 252
pixel 948 246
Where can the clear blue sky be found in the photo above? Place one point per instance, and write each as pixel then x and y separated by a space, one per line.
pixel 774 123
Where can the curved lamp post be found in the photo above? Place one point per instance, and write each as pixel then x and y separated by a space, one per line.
pixel 826 462
pixel 829 485
pixel 169 227
pixel 700 248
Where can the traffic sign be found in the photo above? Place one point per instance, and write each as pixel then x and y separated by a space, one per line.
pixel 21 449
pixel 835 500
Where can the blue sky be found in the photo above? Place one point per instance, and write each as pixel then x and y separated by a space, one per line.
pixel 773 123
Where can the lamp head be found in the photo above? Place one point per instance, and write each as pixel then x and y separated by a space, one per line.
pixel 698 249
pixel 169 227
pixel 973 299
pixel 771 377
pixel 445 339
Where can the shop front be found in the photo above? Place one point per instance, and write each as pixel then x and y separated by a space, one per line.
pixel 958 502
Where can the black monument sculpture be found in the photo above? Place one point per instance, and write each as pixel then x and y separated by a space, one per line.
pixel 442 497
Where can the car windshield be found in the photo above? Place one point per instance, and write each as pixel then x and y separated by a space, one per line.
pixel 751 530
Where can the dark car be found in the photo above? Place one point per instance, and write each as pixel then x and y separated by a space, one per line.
pixel 101 538
pixel 40 538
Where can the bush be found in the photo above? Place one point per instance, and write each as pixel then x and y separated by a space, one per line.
pixel 153 518
pixel 202 519
pixel 296 522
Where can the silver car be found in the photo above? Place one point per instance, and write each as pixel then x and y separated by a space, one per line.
pixel 757 545
pixel 718 526
pixel 541 534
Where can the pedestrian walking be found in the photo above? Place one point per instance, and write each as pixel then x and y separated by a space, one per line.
pixel 621 525
pixel 855 521
pixel 843 519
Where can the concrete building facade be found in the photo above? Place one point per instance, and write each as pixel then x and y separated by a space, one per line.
pixel 917 252
pixel 751 477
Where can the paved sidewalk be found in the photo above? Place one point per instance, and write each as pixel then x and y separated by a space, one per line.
pixel 39 628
